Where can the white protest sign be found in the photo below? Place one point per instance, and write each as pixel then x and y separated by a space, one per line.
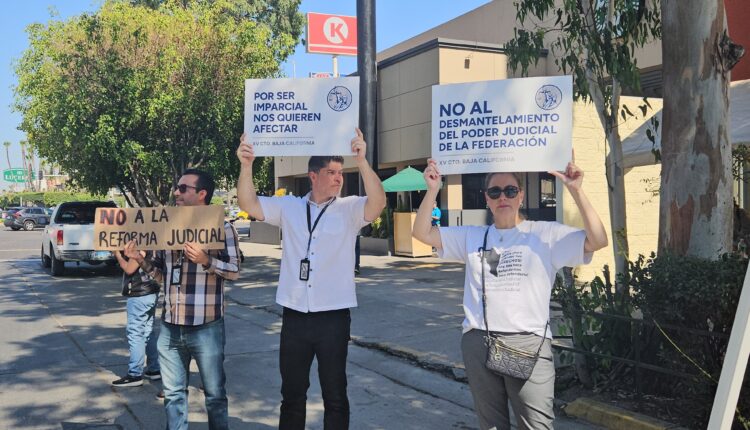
pixel 509 125
pixel 289 117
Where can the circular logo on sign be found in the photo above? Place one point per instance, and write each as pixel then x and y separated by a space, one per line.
pixel 335 30
pixel 339 98
pixel 548 97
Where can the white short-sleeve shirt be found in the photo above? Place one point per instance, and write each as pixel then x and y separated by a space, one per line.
pixel 331 279
pixel 519 272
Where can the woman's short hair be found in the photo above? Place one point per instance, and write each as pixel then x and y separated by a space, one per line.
pixel 519 177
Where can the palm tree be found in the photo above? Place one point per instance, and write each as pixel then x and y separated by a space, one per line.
pixel 27 159
pixel 7 152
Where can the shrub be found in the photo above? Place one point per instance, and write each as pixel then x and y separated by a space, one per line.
pixel 688 292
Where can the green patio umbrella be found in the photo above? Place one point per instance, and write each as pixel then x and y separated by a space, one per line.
pixel 409 179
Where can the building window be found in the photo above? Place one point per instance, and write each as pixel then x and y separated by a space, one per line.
pixel 543 205
pixel 301 186
pixel 547 191
pixel 351 184
pixel 473 191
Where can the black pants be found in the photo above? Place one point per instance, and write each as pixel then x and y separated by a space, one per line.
pixel 324 335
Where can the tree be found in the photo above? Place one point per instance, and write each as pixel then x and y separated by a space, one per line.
pixel 281 17
pixel 27 158
pixel 131 96
pixel 695 209
pixel 595 41
pixel 7 152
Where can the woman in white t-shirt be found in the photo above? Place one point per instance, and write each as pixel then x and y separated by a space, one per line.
pixel 518 269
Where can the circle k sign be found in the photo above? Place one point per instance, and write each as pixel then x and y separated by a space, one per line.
pixel 331 34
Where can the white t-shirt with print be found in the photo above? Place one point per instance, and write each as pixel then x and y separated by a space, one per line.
pixel 519 271
pixel 330 285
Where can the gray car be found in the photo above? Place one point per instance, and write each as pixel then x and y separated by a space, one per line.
pixel 27 219
pixel 7 215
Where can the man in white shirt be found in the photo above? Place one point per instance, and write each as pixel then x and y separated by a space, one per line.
pixel 316 283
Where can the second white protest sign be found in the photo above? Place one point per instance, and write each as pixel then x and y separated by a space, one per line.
pixel 509 125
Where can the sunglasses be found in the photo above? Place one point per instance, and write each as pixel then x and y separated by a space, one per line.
pixel 495 192
pixel 184 187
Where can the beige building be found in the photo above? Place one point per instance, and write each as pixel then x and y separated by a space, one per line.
pixel 467 49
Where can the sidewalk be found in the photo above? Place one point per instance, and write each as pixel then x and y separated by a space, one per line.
pixel 409 308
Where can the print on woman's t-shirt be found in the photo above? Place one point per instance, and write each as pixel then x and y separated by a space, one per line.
pixel 507 268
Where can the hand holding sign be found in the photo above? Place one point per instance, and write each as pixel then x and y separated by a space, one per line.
pixel 432 175
pixel 359 147
pixel 195 254
pixel 133 253
pixel 573 176
pixel 245 152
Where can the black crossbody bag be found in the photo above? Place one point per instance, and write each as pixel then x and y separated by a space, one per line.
pixel 502 358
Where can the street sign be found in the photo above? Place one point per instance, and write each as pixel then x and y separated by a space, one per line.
pixel 15 175
pixel 331 34
pixel 321 74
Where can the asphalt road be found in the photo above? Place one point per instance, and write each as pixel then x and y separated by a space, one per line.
pixel 19 245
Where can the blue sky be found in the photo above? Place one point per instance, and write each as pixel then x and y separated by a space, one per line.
pixel 397 20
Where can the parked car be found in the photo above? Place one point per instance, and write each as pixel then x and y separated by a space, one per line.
pixel 27 219
pixel 7 215
pixel 70 237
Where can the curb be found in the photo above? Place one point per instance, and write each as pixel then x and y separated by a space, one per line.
pixel 448 369
pixel 614 418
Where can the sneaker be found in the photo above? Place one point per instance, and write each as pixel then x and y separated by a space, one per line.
pixel 154 376
pixel 128 381
pixel 160 394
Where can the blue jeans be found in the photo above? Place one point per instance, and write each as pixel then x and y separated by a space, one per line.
pixel 141 336
pixel 178 344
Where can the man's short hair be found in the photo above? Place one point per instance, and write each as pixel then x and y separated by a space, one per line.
pixel 318 162
pixel 205 182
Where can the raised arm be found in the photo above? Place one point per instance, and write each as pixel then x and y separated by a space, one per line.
pixel 572 178
pixel 247 197
pixel 423 229
pixel 373 187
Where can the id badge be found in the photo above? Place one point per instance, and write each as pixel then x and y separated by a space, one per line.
pixel 304 270
pixel 176 275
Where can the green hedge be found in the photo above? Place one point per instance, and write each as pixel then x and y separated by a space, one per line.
pixel 52 198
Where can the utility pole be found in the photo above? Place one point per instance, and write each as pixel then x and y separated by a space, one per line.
pixel 367 71
pixel 368 78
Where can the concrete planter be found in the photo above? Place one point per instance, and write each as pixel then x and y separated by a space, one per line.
pixel 374 246
pixel 261 232
pixel 406 245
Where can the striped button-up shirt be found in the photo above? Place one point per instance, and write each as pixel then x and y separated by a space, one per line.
pixel 199 296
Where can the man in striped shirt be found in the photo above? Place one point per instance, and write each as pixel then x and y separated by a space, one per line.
pixel 193 313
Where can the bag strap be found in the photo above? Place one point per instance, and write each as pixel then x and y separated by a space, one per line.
pixel 482 251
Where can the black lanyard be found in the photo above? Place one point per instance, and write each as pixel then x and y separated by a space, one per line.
pixel 312 229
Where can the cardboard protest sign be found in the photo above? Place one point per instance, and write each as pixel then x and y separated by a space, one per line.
pixel 292 117
pixel 159 228
pixel 509 125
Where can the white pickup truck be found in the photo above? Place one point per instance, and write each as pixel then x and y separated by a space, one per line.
pixel 70 237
